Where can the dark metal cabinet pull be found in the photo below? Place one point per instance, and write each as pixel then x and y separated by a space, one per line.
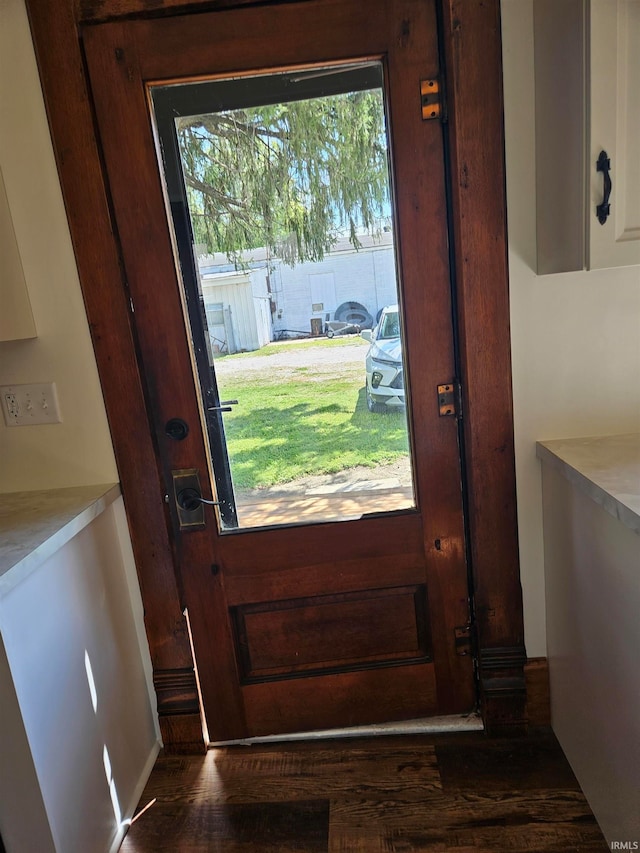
pixel 604 165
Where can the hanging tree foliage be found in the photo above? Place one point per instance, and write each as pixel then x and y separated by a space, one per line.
pixel 290 176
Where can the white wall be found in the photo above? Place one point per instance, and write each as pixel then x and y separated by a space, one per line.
pixel 575 336
pixel 82 604
pixel 23 817
pixel 235 292
pixel 367 276
pixel 77 451
pixel 54 792
pixel 261 306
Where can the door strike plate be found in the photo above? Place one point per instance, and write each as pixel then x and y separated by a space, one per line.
pixel 190 515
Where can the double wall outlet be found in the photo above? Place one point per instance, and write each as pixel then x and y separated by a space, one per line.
pixel 23 405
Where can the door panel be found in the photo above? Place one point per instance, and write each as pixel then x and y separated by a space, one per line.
pixel 382 595
pixel 374 695
pixel 304 561
pixel 330 632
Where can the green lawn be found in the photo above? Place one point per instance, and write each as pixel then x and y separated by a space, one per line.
pixel 305 420
pixel 304 344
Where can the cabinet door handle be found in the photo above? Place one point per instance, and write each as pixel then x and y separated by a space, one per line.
pixel 604 165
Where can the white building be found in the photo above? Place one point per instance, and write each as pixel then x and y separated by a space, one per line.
pixel 238 309
pixel 348 280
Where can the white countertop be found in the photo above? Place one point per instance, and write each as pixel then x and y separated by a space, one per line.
pixel 34 525
pixel 605 468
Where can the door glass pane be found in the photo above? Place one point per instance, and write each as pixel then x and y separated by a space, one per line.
pixel 282 213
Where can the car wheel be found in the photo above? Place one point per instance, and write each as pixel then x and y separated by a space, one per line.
pixel 376 408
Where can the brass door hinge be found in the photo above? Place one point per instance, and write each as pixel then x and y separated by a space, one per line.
pixel 431 99
pixel 450 400
pixel 462 635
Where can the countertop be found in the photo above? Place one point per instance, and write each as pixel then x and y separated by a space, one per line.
pixel 34 525
pixel 605 468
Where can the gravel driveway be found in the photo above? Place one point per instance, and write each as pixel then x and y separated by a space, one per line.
pixel 324 360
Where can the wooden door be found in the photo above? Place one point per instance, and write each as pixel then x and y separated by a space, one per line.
pixel 305 626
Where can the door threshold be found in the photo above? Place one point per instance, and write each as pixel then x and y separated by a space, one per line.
pixel 424 726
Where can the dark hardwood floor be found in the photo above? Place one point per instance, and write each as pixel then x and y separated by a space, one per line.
pixel 459 793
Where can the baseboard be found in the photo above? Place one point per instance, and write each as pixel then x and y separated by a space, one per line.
pixel 135 798
pixel 503 692
pixel 182 734
pixel 536 673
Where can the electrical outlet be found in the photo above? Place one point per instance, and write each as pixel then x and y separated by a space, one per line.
pixel 23 405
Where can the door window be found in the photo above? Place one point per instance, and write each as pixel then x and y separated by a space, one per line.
pixel 282 210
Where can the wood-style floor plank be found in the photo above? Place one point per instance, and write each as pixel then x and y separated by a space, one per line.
pixel 300 827
pixel 438 794
pixel 285 774
pixel 534 762
pixel 520 821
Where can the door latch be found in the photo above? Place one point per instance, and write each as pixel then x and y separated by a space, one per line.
pixel 225 406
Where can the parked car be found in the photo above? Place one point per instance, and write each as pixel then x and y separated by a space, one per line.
pixel 383 363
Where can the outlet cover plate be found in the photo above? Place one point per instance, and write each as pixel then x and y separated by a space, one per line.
pixel 26 405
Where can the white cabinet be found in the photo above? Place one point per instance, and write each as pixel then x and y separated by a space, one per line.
pixel 591 512
pixel 615 128
pixel 587 66
pixel 16 317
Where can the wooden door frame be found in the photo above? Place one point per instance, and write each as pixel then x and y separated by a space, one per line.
pixel 471 46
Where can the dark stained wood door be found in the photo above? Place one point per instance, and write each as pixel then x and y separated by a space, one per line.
pixel 288 634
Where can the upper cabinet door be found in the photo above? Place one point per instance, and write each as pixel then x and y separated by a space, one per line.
pixel 614 128
pixel 587 68
pixel 16 317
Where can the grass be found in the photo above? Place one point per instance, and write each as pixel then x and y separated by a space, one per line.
pixel 305 344
pixel 288 424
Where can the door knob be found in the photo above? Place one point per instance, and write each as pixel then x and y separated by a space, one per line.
pixel 188 498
